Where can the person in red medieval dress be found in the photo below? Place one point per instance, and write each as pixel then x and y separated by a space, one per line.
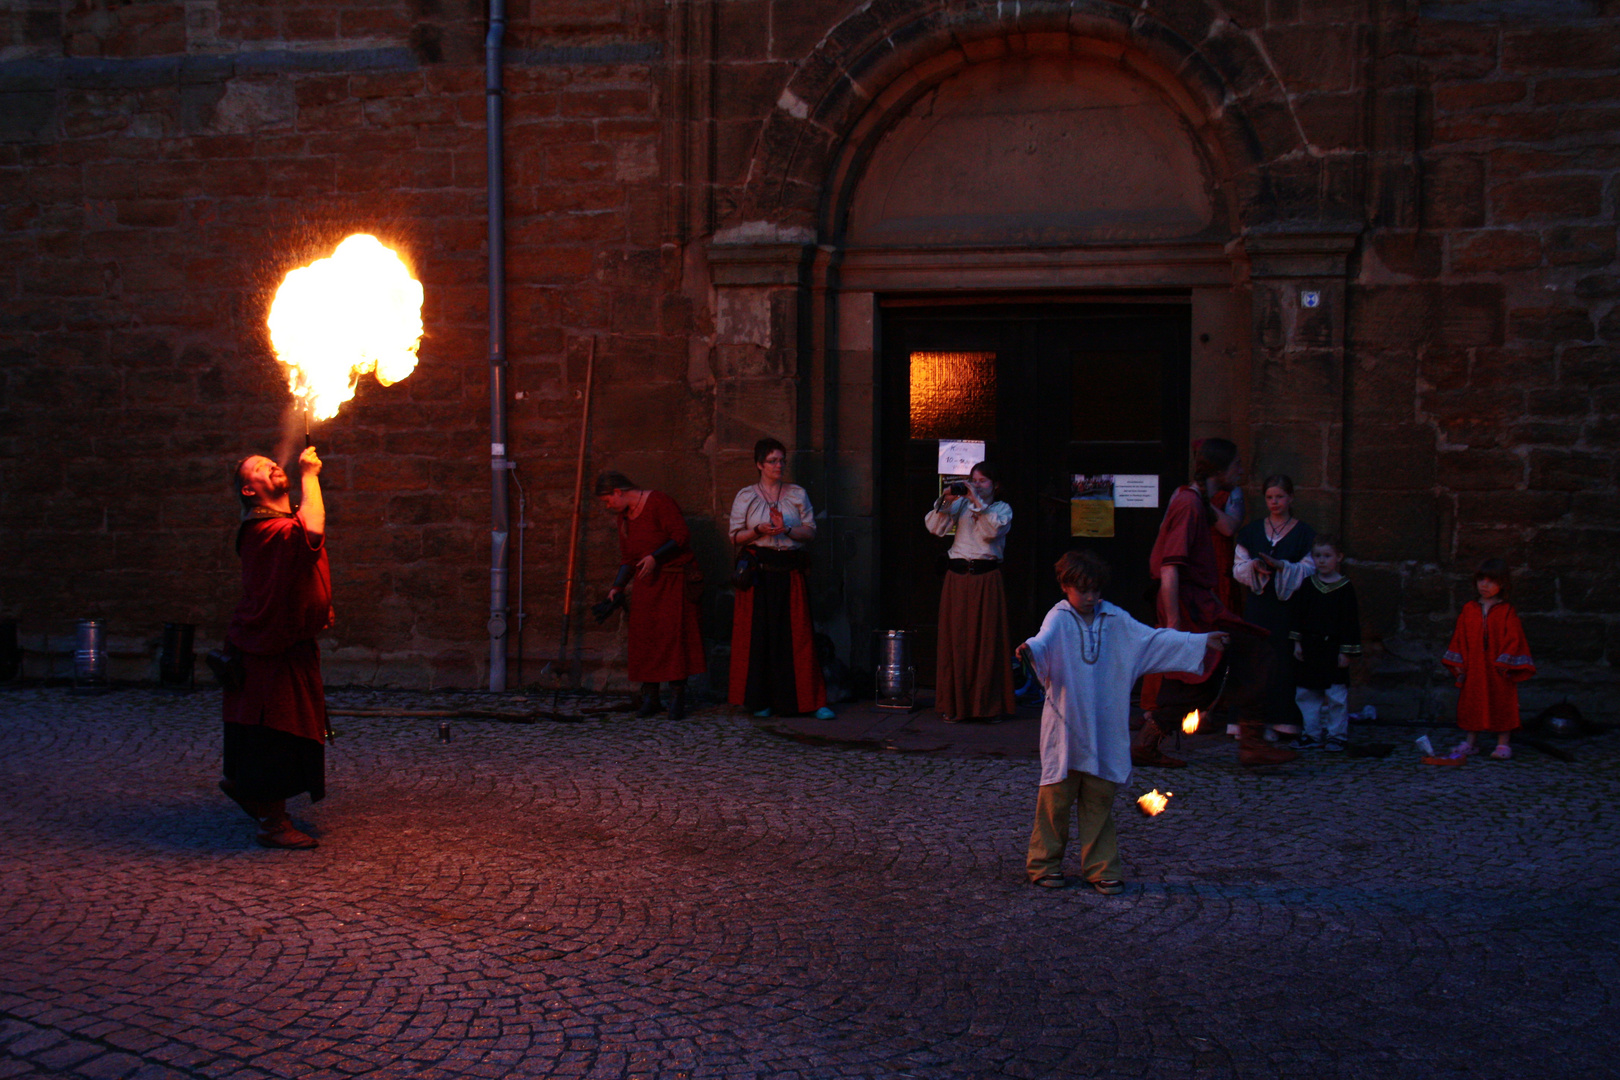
pixel 658 576
pixel 1185 562
pixel 1228 506
pixel 774 668
pixel 275 713
pixel 1491 657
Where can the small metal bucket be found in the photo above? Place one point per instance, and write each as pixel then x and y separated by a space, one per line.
pixel 896 677
pixel 90 655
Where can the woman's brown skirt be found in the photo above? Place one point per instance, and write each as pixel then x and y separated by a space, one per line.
pixel 974 677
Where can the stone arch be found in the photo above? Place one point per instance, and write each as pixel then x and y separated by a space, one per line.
pixel 869 69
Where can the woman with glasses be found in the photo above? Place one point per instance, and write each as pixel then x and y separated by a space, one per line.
pixel 773 656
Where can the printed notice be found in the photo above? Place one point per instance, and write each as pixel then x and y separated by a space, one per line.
pixel 1091 506
pixel 1136 490
pixel 958 456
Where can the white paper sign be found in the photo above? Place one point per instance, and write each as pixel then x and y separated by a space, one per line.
pixel 1136 490
pixel 958 456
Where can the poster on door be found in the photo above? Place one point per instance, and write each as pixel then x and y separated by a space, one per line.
pixel 1091 505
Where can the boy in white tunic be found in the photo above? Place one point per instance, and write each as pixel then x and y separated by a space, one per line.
pixel 1088 654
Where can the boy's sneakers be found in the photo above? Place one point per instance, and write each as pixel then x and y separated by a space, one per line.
pixel 1308 742
pixel 1334 745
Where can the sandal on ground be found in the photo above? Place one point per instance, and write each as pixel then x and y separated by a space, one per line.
pixel 1335 745
pixel 1109 887
pixel 1465 749
pixel 825 713
pixel 1051 881
pixel 1502 752
pixel 763 714
pixel 282 834
pixel 1308 742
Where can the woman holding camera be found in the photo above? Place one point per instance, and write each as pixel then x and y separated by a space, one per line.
pixel 773 653
pixel 974 676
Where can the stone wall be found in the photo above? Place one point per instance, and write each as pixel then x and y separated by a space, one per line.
pixel 669 170
pixel 1482 401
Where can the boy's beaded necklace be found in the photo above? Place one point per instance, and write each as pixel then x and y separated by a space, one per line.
pixel 1090 636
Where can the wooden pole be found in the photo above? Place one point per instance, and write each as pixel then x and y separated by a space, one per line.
pixel 573 525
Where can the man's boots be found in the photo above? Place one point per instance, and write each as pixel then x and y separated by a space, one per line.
pixel 649 700
pixel 1146 751
pixel 1254 750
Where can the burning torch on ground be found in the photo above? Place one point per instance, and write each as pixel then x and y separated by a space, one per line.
pixel 356 311
pixel 1152 804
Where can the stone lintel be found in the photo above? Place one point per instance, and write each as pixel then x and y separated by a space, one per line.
pixel 1301 252
pixel 760 264
pixel 1170 266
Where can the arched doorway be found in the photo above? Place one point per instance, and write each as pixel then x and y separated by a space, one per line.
pixel 1062 186
pixel 1011 161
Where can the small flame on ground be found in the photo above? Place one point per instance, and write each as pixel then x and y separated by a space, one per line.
pixel 1189 723
pixel 359 310
pixel 1152 804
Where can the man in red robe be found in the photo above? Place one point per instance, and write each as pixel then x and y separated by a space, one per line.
pixel 1188 570
pixel 275 717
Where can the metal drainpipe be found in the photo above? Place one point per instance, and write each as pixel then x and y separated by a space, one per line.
pixel 496 182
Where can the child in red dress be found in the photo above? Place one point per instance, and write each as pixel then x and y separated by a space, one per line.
pixel 1489 653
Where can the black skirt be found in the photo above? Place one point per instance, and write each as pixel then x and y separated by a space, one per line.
pixel 266 764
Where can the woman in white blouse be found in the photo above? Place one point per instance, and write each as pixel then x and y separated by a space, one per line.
pixel 974 676
pixel 773 654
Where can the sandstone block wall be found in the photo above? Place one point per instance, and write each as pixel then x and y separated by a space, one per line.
pixel 162 165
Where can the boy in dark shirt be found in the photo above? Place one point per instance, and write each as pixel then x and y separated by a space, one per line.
pixel 1326 628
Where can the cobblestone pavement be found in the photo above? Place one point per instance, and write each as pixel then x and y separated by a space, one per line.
pixel 624 898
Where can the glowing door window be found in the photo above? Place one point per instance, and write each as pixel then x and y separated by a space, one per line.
pixel 953 395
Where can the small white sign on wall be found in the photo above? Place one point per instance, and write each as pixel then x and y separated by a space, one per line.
pixel 958 456
pixel 1136 490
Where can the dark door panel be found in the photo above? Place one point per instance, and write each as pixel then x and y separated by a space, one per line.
pixel 1073 388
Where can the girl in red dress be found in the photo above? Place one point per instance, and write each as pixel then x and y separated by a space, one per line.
pixel 1489 653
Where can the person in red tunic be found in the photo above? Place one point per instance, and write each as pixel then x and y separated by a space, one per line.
pixel 1228 506
pixel 1491 657
pixel 659 574
pixel 1188 570
pixel 275 718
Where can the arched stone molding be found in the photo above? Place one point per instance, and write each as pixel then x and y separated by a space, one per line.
pixel 1266 278
pixel 875 63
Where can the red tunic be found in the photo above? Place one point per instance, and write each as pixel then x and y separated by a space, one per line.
pixel 286 601
pixel 1186 542
pixel 665 643
pixel 1491 657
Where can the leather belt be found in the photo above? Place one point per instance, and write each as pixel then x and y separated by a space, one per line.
pixel 974 566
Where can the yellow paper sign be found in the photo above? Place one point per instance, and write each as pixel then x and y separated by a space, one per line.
pixel 1091 517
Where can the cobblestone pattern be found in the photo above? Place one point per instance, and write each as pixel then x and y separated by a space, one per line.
pixel 626 898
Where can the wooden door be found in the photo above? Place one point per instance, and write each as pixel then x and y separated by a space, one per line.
pixel 1054 390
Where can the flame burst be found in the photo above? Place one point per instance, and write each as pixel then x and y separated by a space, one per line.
pixel 1152 804
pixel 359 310
pixel 1189 723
